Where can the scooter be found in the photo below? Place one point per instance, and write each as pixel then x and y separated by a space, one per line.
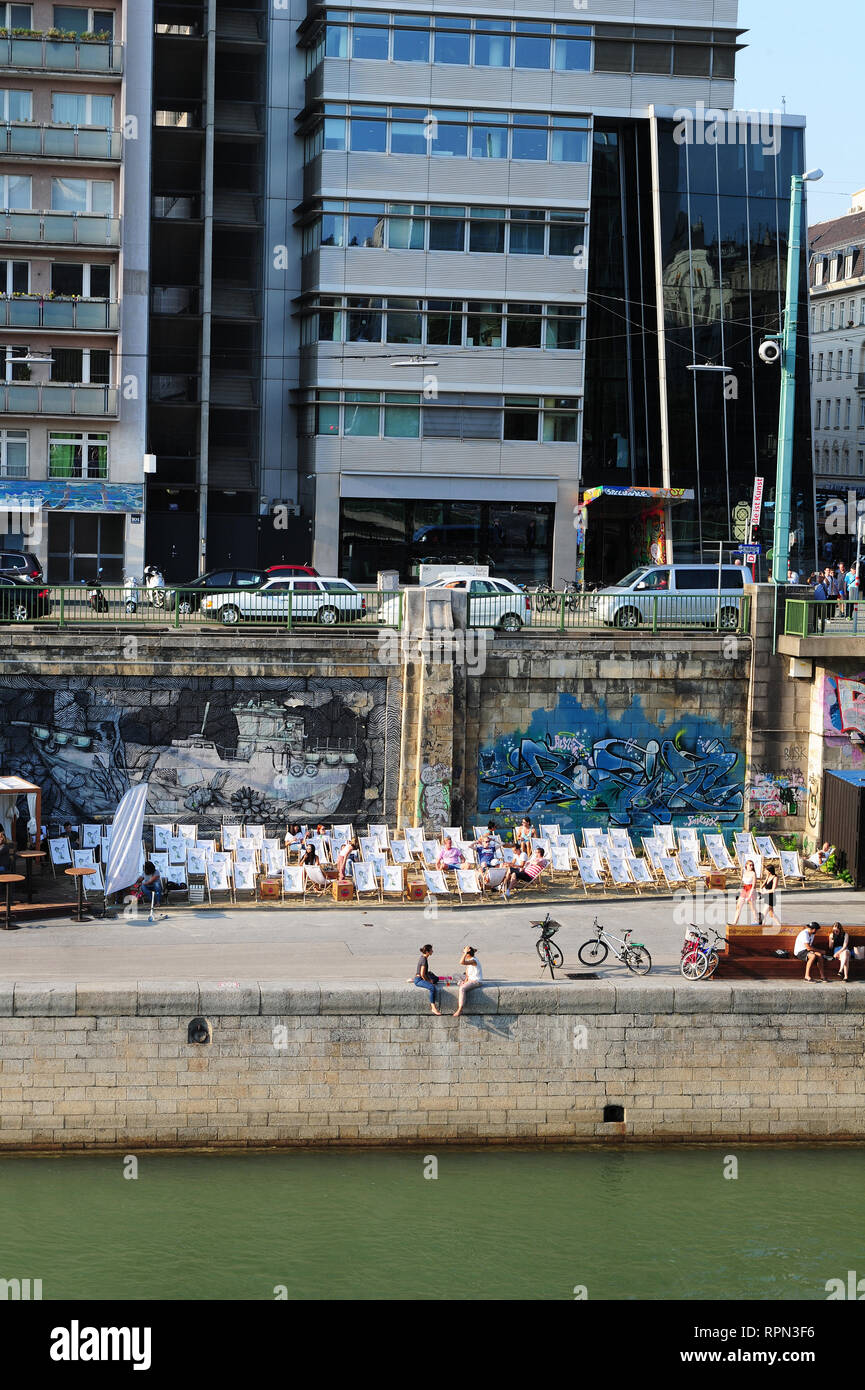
pixel 97 600
pixel 154 583
pixel 130 589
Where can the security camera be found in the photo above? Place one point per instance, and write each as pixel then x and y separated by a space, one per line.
pixel 769 351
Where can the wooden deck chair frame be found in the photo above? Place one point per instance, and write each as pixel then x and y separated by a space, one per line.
pixel 620 872
pixel 687 861
pixel 469 884
pixel 669 863
pixel 436 884
pixel 786 870
pixel 716 850
pixel 294 875
pixel 245 868
pixel 315 879
pixel 393 882
pixel 641 873
pixel 589 876
pixel 217 871
pixel 563 871
pixel 366 882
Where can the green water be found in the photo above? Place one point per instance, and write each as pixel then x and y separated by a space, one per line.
pixel 494 1224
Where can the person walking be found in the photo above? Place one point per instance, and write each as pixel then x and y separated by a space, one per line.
pixel 766 898
pixel 471 979
pixel 747 890
pixel 424 977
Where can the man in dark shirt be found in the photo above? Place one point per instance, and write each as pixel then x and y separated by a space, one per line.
pixel 424 977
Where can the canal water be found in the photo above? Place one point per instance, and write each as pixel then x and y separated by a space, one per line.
pixel 493 1224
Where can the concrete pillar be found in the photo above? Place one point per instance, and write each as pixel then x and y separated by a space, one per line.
pixel 431 790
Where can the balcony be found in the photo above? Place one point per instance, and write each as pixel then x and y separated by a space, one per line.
pixel 85 315
pixel 181 207
pixel 175 299
pixel 60 228
pixel 237 209
pixel 37 53
pixel 238 117
pixel 28 140
pixel 46 398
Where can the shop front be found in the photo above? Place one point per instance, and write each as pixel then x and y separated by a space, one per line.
pixel 75 528
pixel 619 528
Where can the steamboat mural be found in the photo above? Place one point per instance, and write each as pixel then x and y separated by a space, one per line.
pixel 255 750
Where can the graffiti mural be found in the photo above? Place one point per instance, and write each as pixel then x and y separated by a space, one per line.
pixel 776 793
pixel 263 750
pixel 844 712
pixel 575 766
pixel 434 796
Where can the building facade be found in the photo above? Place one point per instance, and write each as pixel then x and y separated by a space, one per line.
pixel 837 284
pixel 74 163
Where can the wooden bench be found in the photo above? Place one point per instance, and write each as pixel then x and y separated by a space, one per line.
pixel 750 954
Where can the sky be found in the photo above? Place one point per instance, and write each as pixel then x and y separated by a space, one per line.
pixel 810 55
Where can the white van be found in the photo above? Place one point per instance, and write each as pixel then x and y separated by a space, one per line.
pixel 674 596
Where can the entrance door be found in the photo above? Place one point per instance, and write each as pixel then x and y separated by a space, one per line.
pixel 82 543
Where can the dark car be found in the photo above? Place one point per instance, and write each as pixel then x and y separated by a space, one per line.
pixel 21 564
pixel 192 591
pixel 22 601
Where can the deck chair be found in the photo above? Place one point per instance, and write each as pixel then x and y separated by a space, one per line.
pixel 589 876
pixel 196 862
pixel 480 831
pixel 791 866
pixel 273 861
pixel 243 878
pixel 218 881
pixel 667 835
pixel 569 842
pixel 220 856
pixel 379 864
pixel 84 858
pixel 368 847
pixel 162 833
pixel 469 855
pixel 188 833
pixel 60 854
pixel 640 873
pixel 393 881
pixel 431 852
pixel 177 883
pixel 159 859
pixel 494 875
pixel 689 838
pixel 620 841
pixel 414 838
pixel 670 869
pixel 595 858
pixel 243 842
pixel 366 881
pixel 469 884
pixel 766 847
pixel 560 863
pixel 455 832
pixel 718 853
pixel 229 834
pixel 341 833
pixel 620 872
pixel 400 852
pixel 178 848
pixel 255 832
pixel 245 856
pixel 743 842
pixel 209 846
pixel 91 836
pixel 436 886
pixel 551 832
pixel 591 834
pixel 379 833
pixel 293 882
pixel 690 864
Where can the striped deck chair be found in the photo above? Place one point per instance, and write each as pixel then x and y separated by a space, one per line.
pixel 791 866
pixel 718 853
pixel 766 847
pixel 469 884
pixel 641 873
pixel 365 881
pixel 293 882
pixel 673 875
pixel 393 881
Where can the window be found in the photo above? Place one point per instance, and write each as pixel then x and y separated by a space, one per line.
pixel 848 262
pixel 818 411
pixel 445 322
pixel 364 320
pixel 820 367
pixel 13 453
pixel 524 326
pixel 16 105
pixel 862 414
pixel 449 132
pixel 406 226
pixel 13 368
pixel 834 266
pixel 82 108
pixel 492 47
pixel 573 53
pixel 401 419
pixel 848 409
pixel 830 360
pixel 532 45
pixel 15 190
pixel 452 41
pixel 411 39
pixel 567 233
pixel 80 20
pixel 369 41
pixel 16 16
pixel 563 327
pixel 447 228
pixel 80 544
pixel 521 418
pixel 489 135
pixel 837 415
pixel 862 312
pixel 369 131
pixel 527 232
pixel 77 455
pixel 484 325
pixel 850 364
pixel 82 195
pixel 366 228
pixel 14 277
pixel 403 321
pixel 445 133
pixel 361 413
pixel 409 131
pixel 560 420
pixel 861 461
pixel 487 229
pixel 327 414
pixel 81 366
pixel 822 317
pixel 88 281
pixel 451 415
pixel 530 137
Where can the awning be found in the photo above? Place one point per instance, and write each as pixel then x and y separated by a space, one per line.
pixel 70 495
pixel 646 494
pixel 456 487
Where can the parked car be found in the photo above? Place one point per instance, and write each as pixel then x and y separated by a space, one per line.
pixel 192 592
pixel 492 602
pixel 288 570
pixel 631 602
pixel 320 600
pixel 22 600
pixel 22 564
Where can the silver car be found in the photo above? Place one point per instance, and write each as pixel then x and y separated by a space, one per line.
pixel 673 596
pixel 320 600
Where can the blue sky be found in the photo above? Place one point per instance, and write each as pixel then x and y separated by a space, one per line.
pixel 812 56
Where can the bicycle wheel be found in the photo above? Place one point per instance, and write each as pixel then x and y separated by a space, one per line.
pixel 711 964
pixel 693 965
pixel 593 952
pixel 550 961
pixel 541 946
pixel 638 960
pixel 556 956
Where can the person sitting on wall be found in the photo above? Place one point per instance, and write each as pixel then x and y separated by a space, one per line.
pixel 839 949
pixel 450 855
pixel 805 949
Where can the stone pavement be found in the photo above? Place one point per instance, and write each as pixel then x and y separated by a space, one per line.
pixel 373 943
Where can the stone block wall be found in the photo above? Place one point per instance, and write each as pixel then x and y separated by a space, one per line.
pixel 93 1066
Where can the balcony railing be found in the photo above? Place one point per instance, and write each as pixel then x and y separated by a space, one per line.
pixel 829 618
pixel 61 228
pixel 44 398
pixel 182 207
pixel 39 53
pixel 34 141
pixel 87 315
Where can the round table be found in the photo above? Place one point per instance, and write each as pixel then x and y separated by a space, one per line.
pixel 80 875
pixel 9 879
pixel 30 855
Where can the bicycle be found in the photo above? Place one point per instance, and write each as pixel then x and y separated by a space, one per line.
pixel 700 955
pixel 571 592
pixel 633 954
pixel 550 954
pixel 542 596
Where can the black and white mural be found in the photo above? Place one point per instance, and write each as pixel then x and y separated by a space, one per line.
pixel 221 749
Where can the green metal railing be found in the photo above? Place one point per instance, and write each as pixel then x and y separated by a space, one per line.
pixel 208 609
pixel 805 617
pixel 563 612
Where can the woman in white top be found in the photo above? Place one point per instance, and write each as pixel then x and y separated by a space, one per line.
pixel 471 979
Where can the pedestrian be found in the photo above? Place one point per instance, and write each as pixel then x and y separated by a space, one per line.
pixel 71 835
pixel 6 853
pixel 747 890
pixel 805 950
pixel 424 977
pixel 471 979
pixel 766 898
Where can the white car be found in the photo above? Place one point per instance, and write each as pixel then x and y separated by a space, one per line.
pixel 492 602
pixel 321 600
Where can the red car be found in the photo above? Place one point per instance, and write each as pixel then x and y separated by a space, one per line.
pixel 289 570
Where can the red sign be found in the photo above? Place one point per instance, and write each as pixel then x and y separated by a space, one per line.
pixel 757 503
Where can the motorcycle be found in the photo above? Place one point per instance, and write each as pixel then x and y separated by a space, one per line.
pixel 154 584
pixel 97 600
pixel 130 589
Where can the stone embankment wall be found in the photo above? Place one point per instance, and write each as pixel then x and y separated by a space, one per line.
pixel 91 1066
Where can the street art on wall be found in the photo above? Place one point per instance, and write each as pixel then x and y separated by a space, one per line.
pixel 263 750
pixel 434 796
pixel 844 712
pixel 776 793
pixel 580 767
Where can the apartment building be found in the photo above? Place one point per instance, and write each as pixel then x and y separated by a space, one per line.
pixel 74 164
pixel 837 283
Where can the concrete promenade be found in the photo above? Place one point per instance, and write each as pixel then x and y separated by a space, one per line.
pixel 350 945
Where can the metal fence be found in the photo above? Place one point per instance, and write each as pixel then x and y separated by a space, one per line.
pixel 201 609
pixel 563 612
pixel 805 617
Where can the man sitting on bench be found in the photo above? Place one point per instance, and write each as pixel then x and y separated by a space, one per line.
pixel 806 951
